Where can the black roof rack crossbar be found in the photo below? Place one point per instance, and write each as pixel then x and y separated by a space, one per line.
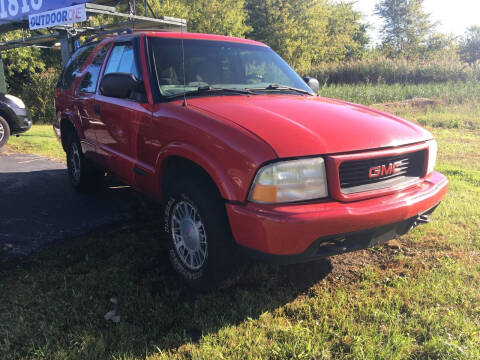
pixel 109 32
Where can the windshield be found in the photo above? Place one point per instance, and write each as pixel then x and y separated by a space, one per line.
pixel 220 65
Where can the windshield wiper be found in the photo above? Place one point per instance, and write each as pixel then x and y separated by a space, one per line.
pixel 281 88
pixel 209 89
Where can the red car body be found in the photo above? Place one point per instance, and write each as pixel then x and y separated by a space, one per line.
pixel 231 137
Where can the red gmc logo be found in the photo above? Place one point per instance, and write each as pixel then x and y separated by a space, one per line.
pixel 384 170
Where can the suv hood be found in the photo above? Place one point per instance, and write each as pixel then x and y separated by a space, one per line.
pixel 302 125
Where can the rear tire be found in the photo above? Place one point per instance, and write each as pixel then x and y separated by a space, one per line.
pixel 200 242
pixel 4 131
pixel 84 177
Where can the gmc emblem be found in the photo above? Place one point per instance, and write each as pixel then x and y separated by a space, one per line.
pixel 384 170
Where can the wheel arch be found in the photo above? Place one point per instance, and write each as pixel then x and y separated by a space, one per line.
pixel 8 115
pixel 184 157
pixel 67 129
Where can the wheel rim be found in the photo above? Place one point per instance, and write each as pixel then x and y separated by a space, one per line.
pixel 189 235
pixel 2 132
pixel 74 161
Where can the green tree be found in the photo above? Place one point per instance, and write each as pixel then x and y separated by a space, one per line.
pixel 225 17
pixel 470 45
pixel 20 64
pixel 273 22
pixel 38 96
pixel 441 46
pixel 406 27
pixel 347 35
pixel 309 31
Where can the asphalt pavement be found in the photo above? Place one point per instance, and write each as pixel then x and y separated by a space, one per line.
pixel 38 205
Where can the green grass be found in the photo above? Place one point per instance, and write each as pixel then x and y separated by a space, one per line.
pixel 432 114
pixel 451 92
pixel 418 300
pixel 41 140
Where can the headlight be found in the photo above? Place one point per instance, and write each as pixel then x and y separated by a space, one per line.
pixel 432 155
pixel 16 101
pixel 289 181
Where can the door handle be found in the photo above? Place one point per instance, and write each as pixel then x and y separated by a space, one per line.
pixel 96 109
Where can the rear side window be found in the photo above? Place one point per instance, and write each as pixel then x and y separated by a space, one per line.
pixel 70 70
pixel 122 59
pixel 90 80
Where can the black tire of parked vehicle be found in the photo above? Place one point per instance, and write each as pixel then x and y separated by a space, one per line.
pixel 219 268
pixel 84 177
pixel 4 131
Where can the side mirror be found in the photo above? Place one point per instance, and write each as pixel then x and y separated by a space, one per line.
pixel 312 83
pixel 119 85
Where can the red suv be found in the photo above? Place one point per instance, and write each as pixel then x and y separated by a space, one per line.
pixel 241 151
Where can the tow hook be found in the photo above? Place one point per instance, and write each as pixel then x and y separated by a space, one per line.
pixel 421 219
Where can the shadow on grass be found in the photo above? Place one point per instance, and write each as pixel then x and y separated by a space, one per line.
pixel 57 298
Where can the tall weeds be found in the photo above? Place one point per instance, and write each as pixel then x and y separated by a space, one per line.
pixel 394 71
pixel 447 92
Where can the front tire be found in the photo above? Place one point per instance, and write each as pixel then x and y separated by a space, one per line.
pixel 200 242
pixel 4 131
pixel 84 177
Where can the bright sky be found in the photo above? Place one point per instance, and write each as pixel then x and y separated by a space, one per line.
pixel 454 15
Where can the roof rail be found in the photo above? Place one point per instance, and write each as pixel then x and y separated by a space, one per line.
pixel 109 32
pixel 139 30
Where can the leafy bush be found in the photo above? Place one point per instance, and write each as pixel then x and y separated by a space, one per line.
pixel 38 95
pixel 394 71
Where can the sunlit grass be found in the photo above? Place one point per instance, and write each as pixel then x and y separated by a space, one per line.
pixel 451 93
pixel 40 140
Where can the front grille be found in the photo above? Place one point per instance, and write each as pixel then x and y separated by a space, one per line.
pixel 354 175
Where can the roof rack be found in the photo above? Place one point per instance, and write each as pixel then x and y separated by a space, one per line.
pixel 109 32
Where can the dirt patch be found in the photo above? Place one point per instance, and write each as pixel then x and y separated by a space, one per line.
pixel 399 256
pixel 6 152
pixel 418 103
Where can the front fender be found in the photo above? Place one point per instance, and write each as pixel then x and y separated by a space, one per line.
pixel 68 116
pixel 9 114
pixel 225 184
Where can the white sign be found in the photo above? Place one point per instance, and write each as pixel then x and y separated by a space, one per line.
pixel 68 15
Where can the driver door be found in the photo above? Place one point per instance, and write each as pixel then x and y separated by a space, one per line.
pixel 124 124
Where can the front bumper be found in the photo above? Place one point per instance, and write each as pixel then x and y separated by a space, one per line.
pixel 287 230
pixel 22 123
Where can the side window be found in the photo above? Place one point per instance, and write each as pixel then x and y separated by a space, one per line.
pixel 122 59
pixel 90 80
pixel 70 70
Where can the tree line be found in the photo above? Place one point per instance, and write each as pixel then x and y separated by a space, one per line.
pixel 303 32
pixel 308 34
